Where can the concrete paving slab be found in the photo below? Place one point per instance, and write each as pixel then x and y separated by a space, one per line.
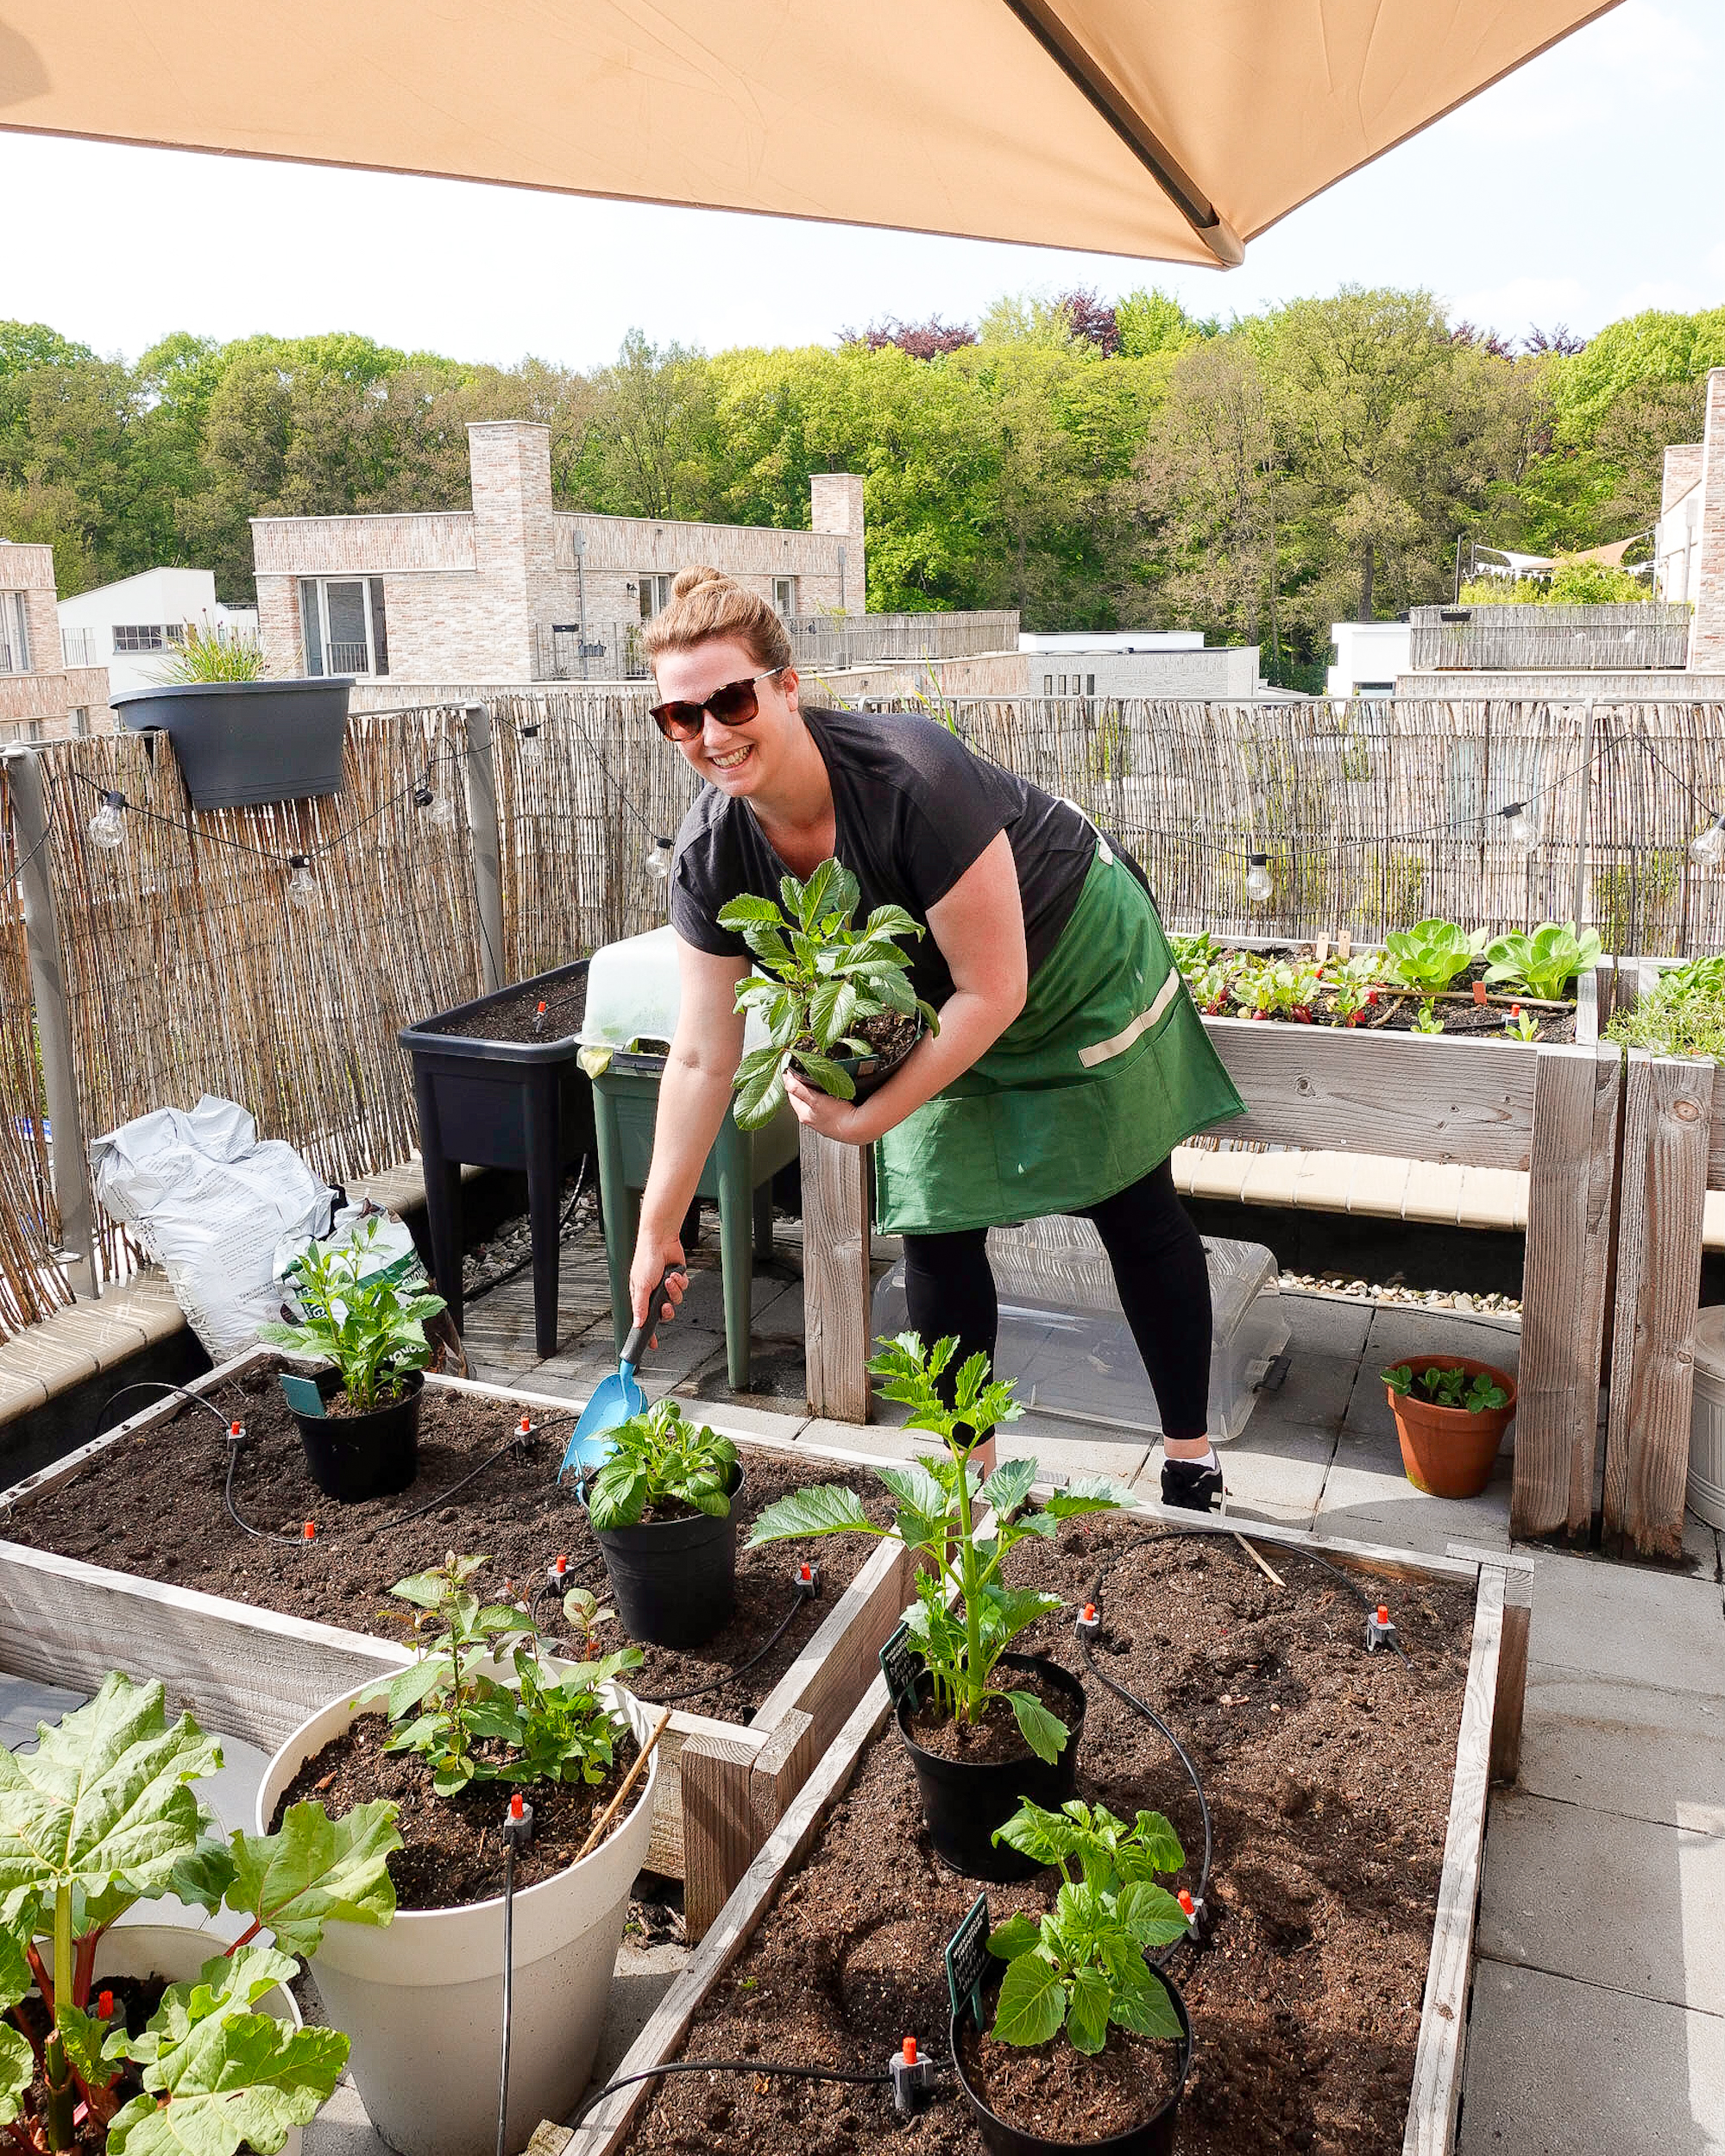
pixel 732 1419
pixel 881 1441
pixel 1619 1620
pixel 1623 1747
pixel 1702 1546
pixel 1557 2068
pixel 1273 1474
pixel 1315 1393
pixel 1325 1324
pixel 703 1301
pixel 25 1706
pixel 1401 1329
pixel 684 1350
pixel 1569 1891
pixel 1368 1497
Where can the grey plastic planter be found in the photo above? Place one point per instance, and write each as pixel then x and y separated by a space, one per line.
pixel 237 742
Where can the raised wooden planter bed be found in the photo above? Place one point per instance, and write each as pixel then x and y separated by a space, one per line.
pixel 1487 1750
pixel 255 1674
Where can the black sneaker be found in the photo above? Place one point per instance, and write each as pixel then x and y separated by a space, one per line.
pixel 1195 1486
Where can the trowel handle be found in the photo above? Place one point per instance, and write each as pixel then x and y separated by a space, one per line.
pixel 635 1345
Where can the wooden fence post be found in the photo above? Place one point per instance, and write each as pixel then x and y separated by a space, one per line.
pixel 836 1283
pixel 487 861
pixel 54 1026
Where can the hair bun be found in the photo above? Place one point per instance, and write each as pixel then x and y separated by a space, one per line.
pixel 688 580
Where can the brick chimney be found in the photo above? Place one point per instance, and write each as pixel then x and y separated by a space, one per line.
pixel 1707 629
pixel 513 542
pixel 835 506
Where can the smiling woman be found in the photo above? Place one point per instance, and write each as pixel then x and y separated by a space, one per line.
pixel 1068 1061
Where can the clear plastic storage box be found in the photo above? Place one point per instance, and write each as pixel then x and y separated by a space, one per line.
pixel 1065 1343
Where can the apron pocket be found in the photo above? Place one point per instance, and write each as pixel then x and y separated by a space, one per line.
pixel 1117 1044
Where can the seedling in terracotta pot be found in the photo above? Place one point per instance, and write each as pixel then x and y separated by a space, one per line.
pixel 1476 1394
pixel 99 1817
pixel 818 984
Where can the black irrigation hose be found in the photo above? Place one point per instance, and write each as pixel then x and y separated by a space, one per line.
pixel 258 1534
pixel 696 1691
pixel 796 2072
pixel 156 1384
pixel 1367 1601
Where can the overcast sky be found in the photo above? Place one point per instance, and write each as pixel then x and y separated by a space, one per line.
pixel 1587 187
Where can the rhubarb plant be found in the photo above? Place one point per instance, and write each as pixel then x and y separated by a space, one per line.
pixel 963 1619
pixel 101 1816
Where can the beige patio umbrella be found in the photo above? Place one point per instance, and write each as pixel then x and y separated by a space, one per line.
pixel 1173 128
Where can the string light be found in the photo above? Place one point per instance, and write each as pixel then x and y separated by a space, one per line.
pixel 657 858
pixel 302 885
pixel 1259 886
pixel 1519 823
pixel 1707 848
pixel 108 825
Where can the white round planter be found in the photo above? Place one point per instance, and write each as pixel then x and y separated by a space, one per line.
pixel 1705 1493
pixel 178 1951
pixel 421 1998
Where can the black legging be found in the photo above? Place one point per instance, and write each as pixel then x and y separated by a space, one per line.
pixel 1159 1268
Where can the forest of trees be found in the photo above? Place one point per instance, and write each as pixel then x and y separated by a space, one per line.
pixel 1094 465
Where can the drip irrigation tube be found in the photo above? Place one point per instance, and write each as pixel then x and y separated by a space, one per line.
pixel 696 1691
pixel 508 1986
pixel 859 2077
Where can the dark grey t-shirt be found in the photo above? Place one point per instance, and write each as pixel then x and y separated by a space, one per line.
pixel 912 809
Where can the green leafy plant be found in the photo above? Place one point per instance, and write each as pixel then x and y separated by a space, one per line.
pixel 1683 1014
pixel 1082 1967
pixel 816 981
pixel 102 1815
pixel 963 1620
pixel 372 1330
pixel 213 654
pixel 662 1459
pixel 1353 985
pixel 1521 1025
pixel 1426 1020
pixel 1431 954
pixel 551 1726
pixel 1545 963
pixel 1445 1386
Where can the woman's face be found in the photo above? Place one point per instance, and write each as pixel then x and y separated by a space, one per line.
pixel 739 760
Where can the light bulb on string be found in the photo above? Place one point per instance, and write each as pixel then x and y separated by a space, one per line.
pixel 657 858
pixel 439 810
pixel 1707 848
pixel 1259 885
pixel 1518 824
pixel 108 825
pixel 302 885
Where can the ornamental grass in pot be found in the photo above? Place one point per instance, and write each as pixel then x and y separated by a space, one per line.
pixel 1450 1414
pixel 985 1727
pixel 662 1508
pixel 122 2039
pixel 482 1716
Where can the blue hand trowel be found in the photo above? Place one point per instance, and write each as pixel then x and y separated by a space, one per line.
pixel 615 1399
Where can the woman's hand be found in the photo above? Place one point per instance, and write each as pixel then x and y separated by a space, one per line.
pixel 846 1122
pixel 654 1254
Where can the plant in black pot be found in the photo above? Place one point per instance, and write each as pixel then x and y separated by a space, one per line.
pixel 836 1001
pixel 662 1508
pixel 359 1418
pixel 985 1727
pixel 1091 2043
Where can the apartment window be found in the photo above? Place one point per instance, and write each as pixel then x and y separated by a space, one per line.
pixel 342 625
pixel 15 634
pixel 152 636
pixel 785 594
pixel 655 594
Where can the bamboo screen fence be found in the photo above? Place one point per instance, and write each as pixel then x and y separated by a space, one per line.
pixel 188 970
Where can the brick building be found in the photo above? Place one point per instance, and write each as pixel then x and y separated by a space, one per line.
pixel 41 699
pixel 1690 543
pixel 515 590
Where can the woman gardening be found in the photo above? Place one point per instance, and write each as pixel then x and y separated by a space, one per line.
pixel 1069 1060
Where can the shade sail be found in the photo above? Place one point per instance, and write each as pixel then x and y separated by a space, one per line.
pixel 1170 129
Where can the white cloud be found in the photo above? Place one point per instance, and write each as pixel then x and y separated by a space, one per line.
pixel 1514 307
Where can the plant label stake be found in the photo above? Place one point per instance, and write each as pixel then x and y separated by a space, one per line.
pixel 967 1961
pixel 898 1667
pixel 301 1394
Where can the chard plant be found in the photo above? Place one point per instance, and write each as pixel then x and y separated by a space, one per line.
pixel 371 1330
pixel 1082 1967
pixel 549 1726
pixel 1475 1394
pixel 1353 985
pixel 1545 963
pixel 102 1815
pixel 963 1620
pixel 817 979
pixel 1431 954
pixel 661 1457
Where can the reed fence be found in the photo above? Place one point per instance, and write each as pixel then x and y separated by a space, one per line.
pixel 188 970
pixel 1614 638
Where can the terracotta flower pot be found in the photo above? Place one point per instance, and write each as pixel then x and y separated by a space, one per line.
pixel 1445 1451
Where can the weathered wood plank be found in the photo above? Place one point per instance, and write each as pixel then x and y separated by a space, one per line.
pixel 1667 1107
pixel 1437 2092
pixel 1570 1199
pixel 719 1838
pixel 668 1852
pixel 840 1660
pixel 835 1277
pixel 782 1765
pixel 1411 1096
pixel 1512 1680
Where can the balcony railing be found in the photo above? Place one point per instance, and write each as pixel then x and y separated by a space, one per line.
pixel 349 658
pixel 1574 639
pixel 78 648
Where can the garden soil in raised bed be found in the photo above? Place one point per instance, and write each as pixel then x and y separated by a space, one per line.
pixel 565 1003
pixel 1328 1773
pixel 1396 1009
pixel 152 1504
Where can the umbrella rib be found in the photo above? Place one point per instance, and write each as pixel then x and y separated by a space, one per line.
pixel 1079 66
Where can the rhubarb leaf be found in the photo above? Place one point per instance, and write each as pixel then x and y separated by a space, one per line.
pixel 15 1974
pixel 233 2079
pixel 315 1871
pixel 18 2069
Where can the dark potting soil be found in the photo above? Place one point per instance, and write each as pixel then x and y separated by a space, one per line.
pixel 1396 1009
pixel 565 1003
pixel 135 1998
pixel 1052 2091
pixel 997 1735
pixel 1328 1774
pixel 452 1847
pixel 152 1504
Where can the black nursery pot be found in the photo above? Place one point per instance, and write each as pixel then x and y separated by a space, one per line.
pixel 674 1580
pixel 868 1072
pixel 964 1800
pixel 356 1457
pixel 1153 2138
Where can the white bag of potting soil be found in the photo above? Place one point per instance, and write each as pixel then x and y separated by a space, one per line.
pixel 387 1249
pixel 209 1201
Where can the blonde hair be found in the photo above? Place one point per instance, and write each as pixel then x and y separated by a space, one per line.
pixel 706 604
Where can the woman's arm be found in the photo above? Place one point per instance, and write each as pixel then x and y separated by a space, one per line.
pixel 980 927
pixel 693 1095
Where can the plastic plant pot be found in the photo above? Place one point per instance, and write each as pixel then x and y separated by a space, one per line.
pixel 869 1072
pixel 421 1998
pixel 1153 2138
pixel 674 1581
pixel 1446 1452
pixel 352 1457
pixel 237 742
pixel 964 1800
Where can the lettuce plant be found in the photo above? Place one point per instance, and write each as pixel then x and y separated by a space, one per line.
pixel 817 979
pixel 102 1815
pixel 661 1457
pixel 1545 963
pixel 963 1620
pixel 1431 954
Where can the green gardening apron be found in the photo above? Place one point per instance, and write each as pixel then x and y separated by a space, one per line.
pixel 1104 1071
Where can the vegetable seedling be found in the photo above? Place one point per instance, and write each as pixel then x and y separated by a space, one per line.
pixel 371 1330
pixel 1545 963
pixel 1431 954
pixel 1441 1386
pixel 661 1458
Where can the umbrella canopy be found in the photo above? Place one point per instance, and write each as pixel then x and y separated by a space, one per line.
pixel 1172 128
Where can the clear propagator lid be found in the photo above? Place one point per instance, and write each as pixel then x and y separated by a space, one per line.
pixel 634 993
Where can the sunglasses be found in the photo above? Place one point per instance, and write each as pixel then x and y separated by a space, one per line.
pixel 733 705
